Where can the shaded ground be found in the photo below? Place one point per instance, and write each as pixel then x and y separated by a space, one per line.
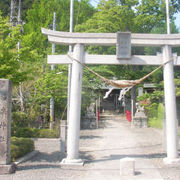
pixel 102 149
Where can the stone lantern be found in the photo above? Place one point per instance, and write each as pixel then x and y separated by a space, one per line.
pixel 140 119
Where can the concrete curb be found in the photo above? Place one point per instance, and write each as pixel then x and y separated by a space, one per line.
pixel 26 157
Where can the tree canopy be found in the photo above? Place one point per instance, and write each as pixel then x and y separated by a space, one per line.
pixel 129 15
pixel 13 63
pixel 5 7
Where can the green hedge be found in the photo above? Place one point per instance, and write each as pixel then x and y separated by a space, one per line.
pixel 34 133
pixel 20 147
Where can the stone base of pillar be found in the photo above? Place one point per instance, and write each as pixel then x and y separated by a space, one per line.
pixel 73 162
pixel 170 161
pixel 7 169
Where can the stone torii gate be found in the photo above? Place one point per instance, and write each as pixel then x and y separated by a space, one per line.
pixel 79 40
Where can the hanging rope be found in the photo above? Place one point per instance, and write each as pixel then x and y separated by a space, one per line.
pixel 120 83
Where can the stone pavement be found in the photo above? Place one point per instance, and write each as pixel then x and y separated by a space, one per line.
pixel 102 149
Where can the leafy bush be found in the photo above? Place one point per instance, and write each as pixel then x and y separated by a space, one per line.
pixel 156 96
pixel 20 147
pixel 151 110
pixel 26 132
pixel 19 119
pixel 35 133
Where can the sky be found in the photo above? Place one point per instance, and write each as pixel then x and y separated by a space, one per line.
pixel 94 2
pixel 177 21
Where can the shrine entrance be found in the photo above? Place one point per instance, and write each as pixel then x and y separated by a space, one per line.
pixel 79 40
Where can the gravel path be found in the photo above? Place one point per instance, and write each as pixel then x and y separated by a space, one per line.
pixel 102 149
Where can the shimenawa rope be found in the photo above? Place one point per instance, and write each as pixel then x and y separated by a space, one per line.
pixel 120 83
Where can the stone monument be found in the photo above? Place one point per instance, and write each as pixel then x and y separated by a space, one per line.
pixel 6 166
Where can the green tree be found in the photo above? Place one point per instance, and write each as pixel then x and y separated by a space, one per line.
pixel 129 15
pixel 111 17
pixel 5 7
pixel 41 15
pixel 12 62
pixel 151 14
pixel 44 84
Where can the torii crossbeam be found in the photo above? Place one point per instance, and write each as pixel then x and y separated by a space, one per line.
pixel 109 39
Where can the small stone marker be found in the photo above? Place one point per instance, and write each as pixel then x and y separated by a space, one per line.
pixel 127 167
pixel 5 127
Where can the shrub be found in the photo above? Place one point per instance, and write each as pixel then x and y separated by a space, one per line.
pixel 20 147
pixel 19 119
pixel 26 132
pixel 35 133
pixel 152 110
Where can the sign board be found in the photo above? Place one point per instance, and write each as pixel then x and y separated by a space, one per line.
pixel 123 45
pixel 149 85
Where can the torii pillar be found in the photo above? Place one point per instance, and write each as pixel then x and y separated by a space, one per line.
pixel 170 108
pixel 75 109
